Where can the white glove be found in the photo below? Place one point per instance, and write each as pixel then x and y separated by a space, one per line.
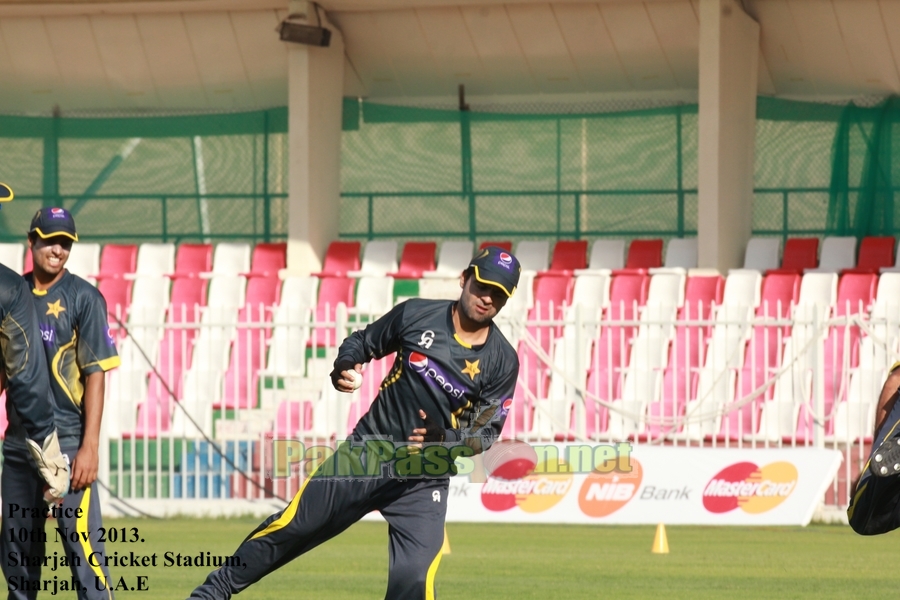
pixel 52 465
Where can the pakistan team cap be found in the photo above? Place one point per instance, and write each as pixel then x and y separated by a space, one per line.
pixel 49 222
pixel 495 266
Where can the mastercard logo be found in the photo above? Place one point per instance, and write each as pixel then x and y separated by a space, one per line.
pixel 533 493
pixel 749 487
pixel 604 493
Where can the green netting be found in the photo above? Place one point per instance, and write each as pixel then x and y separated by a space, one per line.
pixel 862 183
pixel 150 178
pixel 412 172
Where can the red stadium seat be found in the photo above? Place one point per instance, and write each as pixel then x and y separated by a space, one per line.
pixel 800 253
pixel 193 259
pixel 644 254
pixel 569 255
pixel 874 254
pixel 116 260
pixel 506 245
pixel 340 258
pixel 417 257
pixel 268 259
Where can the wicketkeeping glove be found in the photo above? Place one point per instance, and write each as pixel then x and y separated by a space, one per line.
pixel 52 466
pixel 433 431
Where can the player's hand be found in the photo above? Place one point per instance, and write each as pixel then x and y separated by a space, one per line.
pixel 431 432
pixel 341 379
pixel 84 467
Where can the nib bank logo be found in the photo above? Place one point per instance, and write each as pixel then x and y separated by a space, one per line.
pixel 603 494
pixel 751 488
pixel 533 493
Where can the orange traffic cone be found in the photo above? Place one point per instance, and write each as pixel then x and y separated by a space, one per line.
pixel 445 549
pixel 660 543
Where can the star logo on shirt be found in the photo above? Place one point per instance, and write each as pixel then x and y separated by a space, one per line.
pixel 54 308
pixel 472 369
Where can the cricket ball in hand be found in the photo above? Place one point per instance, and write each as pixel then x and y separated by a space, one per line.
pixel 355 378
pixel 510 460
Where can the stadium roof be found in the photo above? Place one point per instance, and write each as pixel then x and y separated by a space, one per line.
pixel 164 55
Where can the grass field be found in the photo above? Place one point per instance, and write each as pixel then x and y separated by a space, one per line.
pixel 502 562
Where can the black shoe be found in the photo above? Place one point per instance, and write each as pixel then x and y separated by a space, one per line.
pixel 886 459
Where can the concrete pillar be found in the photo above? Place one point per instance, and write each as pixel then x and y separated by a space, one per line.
pixel 729 52
pixel 315 90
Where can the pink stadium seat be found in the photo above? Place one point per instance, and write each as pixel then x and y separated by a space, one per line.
pixel 644 254
pixel 417 257
pixel 779 292
pixel 569 255
pixel 628 292
pixel 193 259
pixel 117 293
pixel 248 352
pixel 292 415
pixel 268 259
pixel 506 245
pixel 153 418
pixel 800 253
pixel 332 291
pixel 340 258
pixel 552 293
pixel 117 259
pixel 29 261
pixel 875 253
pixel 702 293
pixel 175 349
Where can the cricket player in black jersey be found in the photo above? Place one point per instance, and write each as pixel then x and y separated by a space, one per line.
pixel 79 349
pixel 29 406
pixel 449 390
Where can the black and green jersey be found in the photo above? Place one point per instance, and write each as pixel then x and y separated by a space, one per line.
pixel 28 403
pixel 77 342
pixel 467 388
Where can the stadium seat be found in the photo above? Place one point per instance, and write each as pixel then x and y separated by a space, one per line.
pixel 117 260
pixel 117 293
pixel 532 255
pixel 332 292
pixel 154 260
pixel 231 258
pixel 340 258
pixel 374 373
pixel 453 258
pixel 193 259
pixel 763 254
pixel 417 258
pixel 379 259
pixel 12 255
pixel 374 297
pixel 291 326
pixel 248 352
pixel 644 254
pixel 838 253
pixel 800 254
pixel 505 244
pixel 607 254
pixel 84 261
pixel 875 253
pixel 682 253
pixel 569 255
pixel 628 292
pixel 268 259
